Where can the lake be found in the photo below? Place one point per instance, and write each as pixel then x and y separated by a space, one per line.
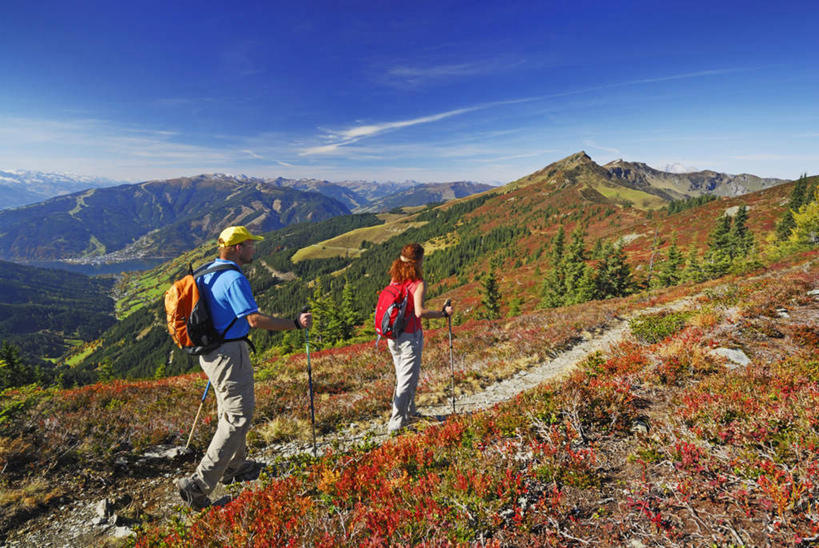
pixel 101 268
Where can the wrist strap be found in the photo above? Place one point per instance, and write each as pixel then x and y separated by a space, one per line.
pixel 296 323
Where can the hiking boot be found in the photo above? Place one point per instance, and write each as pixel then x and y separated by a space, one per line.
pixel 247 471
pixel 417 417
pixel 192 494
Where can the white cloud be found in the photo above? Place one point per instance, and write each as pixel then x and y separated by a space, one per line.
pixel 421 75
pixel 591 144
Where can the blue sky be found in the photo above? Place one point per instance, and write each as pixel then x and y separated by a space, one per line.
pixel 430 91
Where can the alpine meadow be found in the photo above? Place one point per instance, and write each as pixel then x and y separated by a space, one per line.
pixel 439 274
pixel 626 366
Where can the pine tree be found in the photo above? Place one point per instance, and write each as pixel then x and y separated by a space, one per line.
pixel 491 296
pixel 553 290
pixel 574 267
pixel 348 315
pixel 613 275
pixel 718 257
pixel 693 271
pixel 598 249
pixel 514 306
pixel 800 195
pixel 670 271
pixel 742 240
pixel 558 247
pixel 292 341
pixel 320 307
pixel 806 224
pixel 13 372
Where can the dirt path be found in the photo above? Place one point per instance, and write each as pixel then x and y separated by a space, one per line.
pixel 75 524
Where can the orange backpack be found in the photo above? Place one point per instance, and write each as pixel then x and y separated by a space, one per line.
pixel 187 314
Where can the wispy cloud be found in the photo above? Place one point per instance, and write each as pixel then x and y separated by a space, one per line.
pixel 420 75
pixel 354 134
pixel 591 144
pixel 684 76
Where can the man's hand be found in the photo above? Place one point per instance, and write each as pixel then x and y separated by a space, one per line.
pixel 305 320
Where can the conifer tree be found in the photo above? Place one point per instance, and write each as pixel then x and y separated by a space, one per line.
pixel 348 314
pixel 800 195
pixel 597 251
pixel 558 247
pixel 514 306
pixel 574 267
pixel 613 275
pixel 321 308
pixel 693 271
pixel 742 240
pixel 586 288
pixel 718 257
pixel 491 296
pixel 553 290
pixel 13 372
pixel 670 270
pixel 291 341
pixel 806 224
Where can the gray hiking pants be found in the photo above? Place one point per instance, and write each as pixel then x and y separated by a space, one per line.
pixel 231 376
pixel 406 356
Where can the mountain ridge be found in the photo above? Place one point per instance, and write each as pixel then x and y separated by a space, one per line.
pixel 638 176
pixel 162 218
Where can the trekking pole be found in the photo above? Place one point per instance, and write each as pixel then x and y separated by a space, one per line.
pixel 451 361
pixel 310 383
pixel 196 419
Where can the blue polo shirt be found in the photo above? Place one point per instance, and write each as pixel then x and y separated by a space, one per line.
pixel 228 295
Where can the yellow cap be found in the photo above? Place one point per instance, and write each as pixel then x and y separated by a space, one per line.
pixel 233 235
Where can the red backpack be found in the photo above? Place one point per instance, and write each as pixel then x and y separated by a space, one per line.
pixel 395 305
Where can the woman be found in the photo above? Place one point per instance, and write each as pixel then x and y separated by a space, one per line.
pixel 406 349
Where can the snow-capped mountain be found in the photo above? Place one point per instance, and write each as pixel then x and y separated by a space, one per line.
pixel 20 187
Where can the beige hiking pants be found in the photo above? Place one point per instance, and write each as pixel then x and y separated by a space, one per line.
pixel 406 356
pixel 231 376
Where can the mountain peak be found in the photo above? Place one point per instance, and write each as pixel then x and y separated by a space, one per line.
pixel 576 159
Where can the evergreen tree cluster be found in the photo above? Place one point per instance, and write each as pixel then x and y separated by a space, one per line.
pixel 675 206
pixel 730 247
pixel 572 280
pixel 334 317
pixel 14 371
pixel 802 197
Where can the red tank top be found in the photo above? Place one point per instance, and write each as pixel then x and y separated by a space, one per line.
pixel 413 321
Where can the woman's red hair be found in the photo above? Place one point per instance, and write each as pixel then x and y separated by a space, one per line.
pixel 408 266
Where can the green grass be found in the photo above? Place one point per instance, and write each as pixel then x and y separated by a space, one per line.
pixel 349 243
pixel 638 198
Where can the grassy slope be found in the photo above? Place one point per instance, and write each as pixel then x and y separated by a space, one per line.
pixel 605 485
pixel 350 244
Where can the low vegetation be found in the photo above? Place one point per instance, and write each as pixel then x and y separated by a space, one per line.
pixel 659 442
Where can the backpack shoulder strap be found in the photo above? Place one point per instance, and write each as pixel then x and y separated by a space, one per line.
pixel 210 267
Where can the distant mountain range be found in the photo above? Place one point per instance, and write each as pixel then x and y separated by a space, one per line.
pixel 641 185
pixel 18 188
pixel 153 219
pixel 425 194
pixel 163 218
pixel 160 219
pixel 373 197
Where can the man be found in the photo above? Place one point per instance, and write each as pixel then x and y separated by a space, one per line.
pixel 233 308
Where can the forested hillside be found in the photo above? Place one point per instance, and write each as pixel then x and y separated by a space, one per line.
pixel 155 219
pixel 43 312
pixel 498 251
pixel 139 346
